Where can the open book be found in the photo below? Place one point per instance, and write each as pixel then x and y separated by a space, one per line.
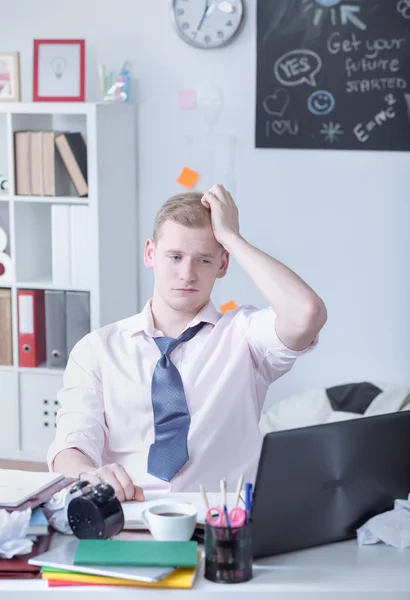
pixel 132 510
pixel 18 486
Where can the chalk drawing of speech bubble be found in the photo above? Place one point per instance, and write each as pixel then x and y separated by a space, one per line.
pixel 297 66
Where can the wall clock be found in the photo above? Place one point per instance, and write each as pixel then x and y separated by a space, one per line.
pixel 207 23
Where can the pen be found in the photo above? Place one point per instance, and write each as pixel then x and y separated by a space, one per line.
pixel 248 501
pixel 228 523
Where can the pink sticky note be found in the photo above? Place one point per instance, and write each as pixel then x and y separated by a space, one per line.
pixel 186 99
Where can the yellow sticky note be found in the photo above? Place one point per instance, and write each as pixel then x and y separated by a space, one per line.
pixel 228 306
pixel 188 177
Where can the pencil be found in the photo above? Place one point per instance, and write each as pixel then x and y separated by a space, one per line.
pixel 223 492
pixel 201 487
pixel 238 490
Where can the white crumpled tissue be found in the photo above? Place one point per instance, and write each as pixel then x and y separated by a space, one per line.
pixel 13 530
pixel 391 527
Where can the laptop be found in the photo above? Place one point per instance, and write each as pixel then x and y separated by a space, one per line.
pixel 318 484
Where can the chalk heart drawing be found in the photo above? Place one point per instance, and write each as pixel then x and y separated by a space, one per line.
pixel 277 103
pixel 279 127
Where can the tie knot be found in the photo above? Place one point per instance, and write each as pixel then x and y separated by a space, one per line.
pixel 167 344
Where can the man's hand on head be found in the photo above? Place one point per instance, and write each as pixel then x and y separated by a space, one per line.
pixel 224 213
pixel 117 476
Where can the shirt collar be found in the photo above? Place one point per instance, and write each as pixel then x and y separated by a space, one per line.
pixel 143 321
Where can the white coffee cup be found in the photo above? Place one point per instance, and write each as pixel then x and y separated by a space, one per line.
pixel 172 521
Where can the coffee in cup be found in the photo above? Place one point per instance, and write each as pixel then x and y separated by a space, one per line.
pixel 171 522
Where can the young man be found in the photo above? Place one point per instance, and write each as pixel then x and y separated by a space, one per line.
pixel 171 397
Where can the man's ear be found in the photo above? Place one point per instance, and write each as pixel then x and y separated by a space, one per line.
pixel 149 253
pixel 224 265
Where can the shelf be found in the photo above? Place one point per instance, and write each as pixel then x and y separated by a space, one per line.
pixel 46 284
pixel 41 370
pixel 48 108
pixel 65 108
pixel 48 199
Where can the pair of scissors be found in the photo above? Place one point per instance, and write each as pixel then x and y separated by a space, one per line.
pixel 216 516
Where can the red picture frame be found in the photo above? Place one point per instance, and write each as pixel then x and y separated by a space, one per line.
pixel 37 97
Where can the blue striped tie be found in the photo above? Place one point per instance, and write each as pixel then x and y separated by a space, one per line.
pixel 168 454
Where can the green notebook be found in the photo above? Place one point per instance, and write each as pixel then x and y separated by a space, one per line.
pixel 136 553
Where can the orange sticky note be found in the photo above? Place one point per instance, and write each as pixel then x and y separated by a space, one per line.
pixel 188 177
pixel 228 306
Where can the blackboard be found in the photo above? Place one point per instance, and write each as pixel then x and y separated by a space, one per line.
pixel 333 74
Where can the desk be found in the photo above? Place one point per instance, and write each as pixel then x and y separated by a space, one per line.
pixel 336 571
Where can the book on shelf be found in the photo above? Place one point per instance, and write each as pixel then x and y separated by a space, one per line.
pixel 67 322
pixel 31 328
pixel 56 181
pixel 36 160
pixel 73 151
pixel 79 246
pixel 6 341
pixel 22 160
pixel 60 244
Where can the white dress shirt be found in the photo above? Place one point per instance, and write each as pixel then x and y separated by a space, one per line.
pixel 226 369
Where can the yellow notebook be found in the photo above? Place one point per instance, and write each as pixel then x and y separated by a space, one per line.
pixel 182 578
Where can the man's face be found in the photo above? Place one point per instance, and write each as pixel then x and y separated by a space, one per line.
pixel 186 262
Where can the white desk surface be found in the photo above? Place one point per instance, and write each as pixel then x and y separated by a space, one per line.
pixel 335 571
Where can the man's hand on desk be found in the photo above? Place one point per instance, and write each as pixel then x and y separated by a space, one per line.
pixel 73 462
pixel 117 476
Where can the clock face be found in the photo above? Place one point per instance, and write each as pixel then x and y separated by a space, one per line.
pixel 207 23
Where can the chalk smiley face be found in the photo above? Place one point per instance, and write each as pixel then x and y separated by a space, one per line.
pixel 321 102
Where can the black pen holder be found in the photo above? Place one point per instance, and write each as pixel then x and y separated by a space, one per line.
pixel 228 553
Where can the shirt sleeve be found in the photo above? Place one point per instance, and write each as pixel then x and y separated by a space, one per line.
pixel 272 358
pixel 80 420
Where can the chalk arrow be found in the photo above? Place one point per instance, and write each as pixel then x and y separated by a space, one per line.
pixel 347 14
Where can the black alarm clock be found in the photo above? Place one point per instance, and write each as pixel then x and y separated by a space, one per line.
pixel 95 514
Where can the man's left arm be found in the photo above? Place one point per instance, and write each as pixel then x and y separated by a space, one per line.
pixel 300 312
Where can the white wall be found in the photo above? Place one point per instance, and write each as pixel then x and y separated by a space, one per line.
pixel 339 219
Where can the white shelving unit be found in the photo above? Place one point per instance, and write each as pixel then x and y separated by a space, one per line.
pixel 28 395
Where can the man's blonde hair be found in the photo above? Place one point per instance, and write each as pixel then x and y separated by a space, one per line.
pixel 185 209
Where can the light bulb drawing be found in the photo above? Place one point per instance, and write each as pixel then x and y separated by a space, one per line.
pixel 58 65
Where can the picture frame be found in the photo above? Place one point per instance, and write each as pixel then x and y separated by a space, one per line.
pixel 9 77
pixel 59 71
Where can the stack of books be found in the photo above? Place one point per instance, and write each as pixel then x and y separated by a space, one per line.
pixel 121 563
pixel 20 490
pixel 48 163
